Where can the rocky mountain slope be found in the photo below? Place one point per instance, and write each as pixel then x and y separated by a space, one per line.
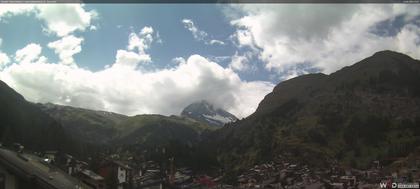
pixel 107 128
pixel 364 112
pixel 206 113
pixel 90 126
pixel 23 122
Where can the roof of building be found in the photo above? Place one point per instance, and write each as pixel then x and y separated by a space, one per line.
pixel 31 168
pixel 122 164
pixel 91 174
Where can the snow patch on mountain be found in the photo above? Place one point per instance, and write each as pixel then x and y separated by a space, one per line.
pixel 220 118
pixel 207 113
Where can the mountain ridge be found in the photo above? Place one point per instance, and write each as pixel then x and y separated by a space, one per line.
pixel 108 128
pixel 316 115
pixel 203 111
pixel 22 122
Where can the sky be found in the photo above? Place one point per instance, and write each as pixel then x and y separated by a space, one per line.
pixel 159 58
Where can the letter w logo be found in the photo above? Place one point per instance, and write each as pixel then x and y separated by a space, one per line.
pixel 383 184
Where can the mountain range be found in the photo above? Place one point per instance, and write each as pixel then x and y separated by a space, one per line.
pixel 23 122
pixel 90 126
pixel 106 128
pixel 361 113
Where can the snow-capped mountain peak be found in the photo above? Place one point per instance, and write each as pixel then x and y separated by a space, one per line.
pixel 205 112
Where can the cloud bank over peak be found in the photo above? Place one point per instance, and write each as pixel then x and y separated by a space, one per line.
pixel 288 40
pixel 124 87
pixel 131 91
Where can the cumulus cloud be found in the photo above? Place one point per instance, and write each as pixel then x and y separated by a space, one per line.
pixel 30 53
pixel 327 37
pixel 63 19
pixel 123 86
pixel 4 59
pixel 126 88
pixel 131 91
pixel 179 60
pixel 59 19
pixel 239 62
pixel 130 59
pixel 66 47
pixel 7 10
pixel 141 41
pixel 135 53
pixel 200 35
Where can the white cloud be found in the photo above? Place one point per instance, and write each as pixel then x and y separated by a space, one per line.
pixel 326 36
pixel 66 47
pixel 200 35
pixel 59 19
pixel 141 41
pixel 147 30
pixel 93 28
pixel 158 39
pixel 219 59
pixel 28 54
pixel 136 42
pixel 124 87
pixel 408 40
pixel 130 59
pixel 131 91
pixel 239 63
pixel 179 60
pixel 197 34
pixel 216 42
pixel 7 10
pixel 63 19
pixel 4 59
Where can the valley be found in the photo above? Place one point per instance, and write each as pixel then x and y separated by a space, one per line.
pixel 354 128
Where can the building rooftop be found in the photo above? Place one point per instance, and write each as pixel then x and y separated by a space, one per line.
pixel 33 169
pixel 92 175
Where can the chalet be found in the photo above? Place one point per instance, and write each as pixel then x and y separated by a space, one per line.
pixel 118 173
pixel 92 179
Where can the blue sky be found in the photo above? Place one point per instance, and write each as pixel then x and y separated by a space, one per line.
pixel 158 58
pixel 166 20
pixel 115 22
